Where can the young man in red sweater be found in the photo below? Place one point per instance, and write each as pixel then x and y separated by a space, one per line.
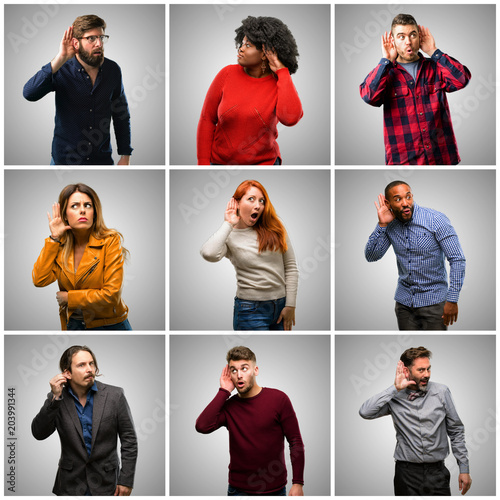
pixel 257 418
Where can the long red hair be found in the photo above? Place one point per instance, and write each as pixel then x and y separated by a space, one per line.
pixel 270 231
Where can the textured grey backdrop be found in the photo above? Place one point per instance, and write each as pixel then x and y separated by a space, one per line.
pixel 202 293
pixel 133 203
pixel 202 43
pixel 134 362
pixel 366 365
pixel 298 365
pixel 137 44
pixel 368 287
pixel 358 29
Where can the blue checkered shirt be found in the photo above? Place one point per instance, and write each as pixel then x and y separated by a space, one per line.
pixel 420 246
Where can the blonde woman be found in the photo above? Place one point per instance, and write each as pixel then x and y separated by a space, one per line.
pixel 86 258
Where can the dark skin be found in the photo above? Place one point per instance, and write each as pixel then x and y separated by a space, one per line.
pixel 253 59
pixel 399 204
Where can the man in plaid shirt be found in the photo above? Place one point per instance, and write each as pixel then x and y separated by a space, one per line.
pixel 421 238
pixel 417 122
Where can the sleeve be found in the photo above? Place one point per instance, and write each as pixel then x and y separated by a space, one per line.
pixel 209 118
pixel 372 90
pixel 121 118
pixel 44 272
pixel 39 85
pixel 110 293
pixel 215 248
pixel 454 75
pixel 212 417
pixel 456 432
pixel 128 443
pixel 448 241
pixel 291 430
pixel 288 108
pixel 378 244
pixel 378 405
pixel 291 275
pixel 44 424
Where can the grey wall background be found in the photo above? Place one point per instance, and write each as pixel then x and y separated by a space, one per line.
pixel 366 365
pixel 298 365
pixel 202 293
pixel 364 291
pixel 133 203
pixel 134 362
pixel 202 43
pixel 137 44
pixel 358 30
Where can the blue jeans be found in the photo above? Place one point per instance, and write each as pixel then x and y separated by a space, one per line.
pixel 258 314
pixel 235 492
pixel 76 324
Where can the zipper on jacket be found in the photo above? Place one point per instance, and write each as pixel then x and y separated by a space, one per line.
pixel 87 273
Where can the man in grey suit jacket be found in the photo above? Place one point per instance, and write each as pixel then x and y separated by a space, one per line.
pixel 89 416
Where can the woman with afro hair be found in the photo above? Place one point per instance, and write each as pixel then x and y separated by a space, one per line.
pixel 254 239
pixel 245 102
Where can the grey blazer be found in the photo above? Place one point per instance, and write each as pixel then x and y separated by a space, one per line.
pixel 101 471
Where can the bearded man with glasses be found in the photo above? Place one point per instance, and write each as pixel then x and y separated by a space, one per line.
pixel 89 93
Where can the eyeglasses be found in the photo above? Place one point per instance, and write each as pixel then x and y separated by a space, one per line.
pixel 93 39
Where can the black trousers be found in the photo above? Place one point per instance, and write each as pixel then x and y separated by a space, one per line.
pixel 427 479
pixel 420 318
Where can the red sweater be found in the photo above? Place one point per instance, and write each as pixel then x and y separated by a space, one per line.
pixel 256 429
pixel 238 122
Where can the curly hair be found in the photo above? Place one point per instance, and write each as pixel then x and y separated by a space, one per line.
pixel 272 34
pixel 411 354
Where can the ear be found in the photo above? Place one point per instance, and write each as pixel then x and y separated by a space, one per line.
pixel 76 43
pixel 67 374
pixel 256 370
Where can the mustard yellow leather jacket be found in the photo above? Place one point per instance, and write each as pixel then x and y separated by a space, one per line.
pixel 95 288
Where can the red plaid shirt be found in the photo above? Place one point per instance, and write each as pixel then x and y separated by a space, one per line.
pixel 417 122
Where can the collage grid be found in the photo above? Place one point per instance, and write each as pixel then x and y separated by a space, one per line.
pixel 344 347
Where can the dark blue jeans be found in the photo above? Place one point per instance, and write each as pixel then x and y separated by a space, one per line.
pixel 258 314
pixel 235 492
pixel 76 324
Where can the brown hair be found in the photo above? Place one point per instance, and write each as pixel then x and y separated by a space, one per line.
pixel 67 356
pixel 98 230
pixel 411 354
pixel 239 353
pixel 82 24
pixel 403 20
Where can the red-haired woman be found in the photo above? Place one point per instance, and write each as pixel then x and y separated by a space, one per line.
pixel 255 241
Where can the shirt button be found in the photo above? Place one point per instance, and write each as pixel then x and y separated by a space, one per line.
pixel 424 130
pixel 420 114
pixel 90 128
pixel 91 111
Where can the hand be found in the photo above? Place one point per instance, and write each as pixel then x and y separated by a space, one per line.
pixel 66 50
pixel 57 383
pixel 124 160
pixel 296 491
pixel 231 213
pixel 464 483
pixel 288 316
pixel 389 50
pixel 122 491
pixel 427 43
pixel 450 313
pixel 225 379
pixel 272 58
pixel 402 377
pixel 56 224
pixel 385 216
pixel 62 298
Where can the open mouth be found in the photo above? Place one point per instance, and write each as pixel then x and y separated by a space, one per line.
pixel 254 216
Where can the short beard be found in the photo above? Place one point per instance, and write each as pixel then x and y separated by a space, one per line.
pixel 88 58
pixel 248 389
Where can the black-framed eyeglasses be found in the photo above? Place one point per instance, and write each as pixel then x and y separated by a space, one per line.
pixel 93 38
